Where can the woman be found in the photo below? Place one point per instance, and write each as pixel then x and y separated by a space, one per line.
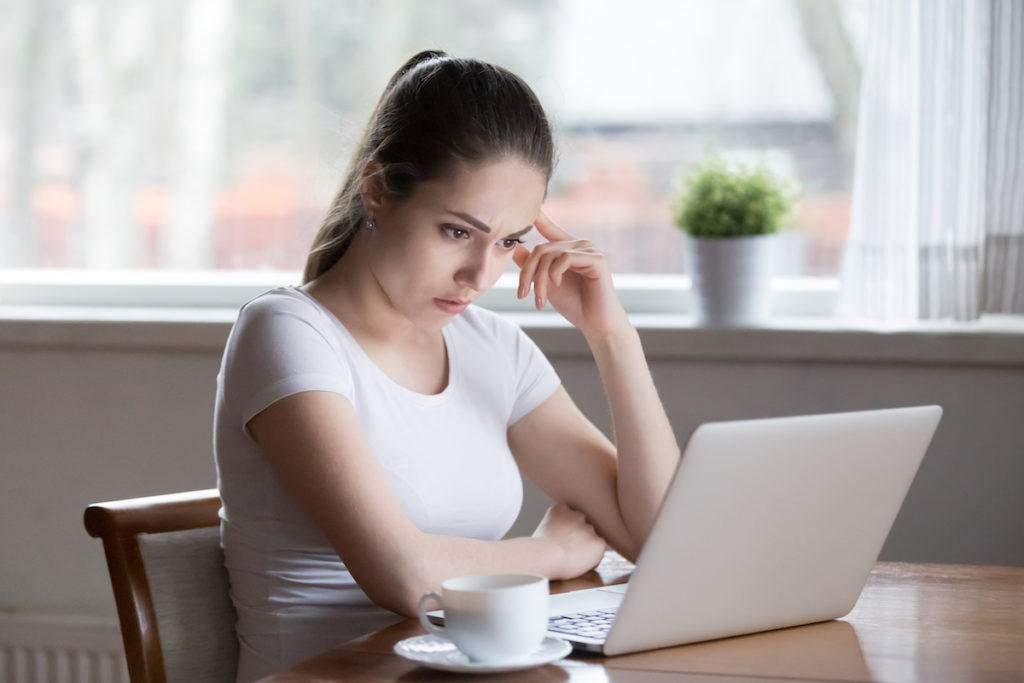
pixel 372 425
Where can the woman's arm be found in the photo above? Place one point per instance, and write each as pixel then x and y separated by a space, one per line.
pixel 646 447
pixel 316 445
pixel 631 477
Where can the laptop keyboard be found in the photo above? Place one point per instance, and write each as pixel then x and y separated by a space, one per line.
pixel 590 624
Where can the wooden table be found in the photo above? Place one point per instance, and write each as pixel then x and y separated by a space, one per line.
pixel 913 622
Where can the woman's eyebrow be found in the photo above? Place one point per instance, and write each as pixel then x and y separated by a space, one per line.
pixel 478 224
pixel 520 233
pixel 483 227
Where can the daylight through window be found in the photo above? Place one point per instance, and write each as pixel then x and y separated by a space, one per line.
pixel 213 133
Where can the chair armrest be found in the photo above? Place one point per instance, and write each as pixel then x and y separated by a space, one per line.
pixel 153 514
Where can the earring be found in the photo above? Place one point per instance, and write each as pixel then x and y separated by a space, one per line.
pixel 370 225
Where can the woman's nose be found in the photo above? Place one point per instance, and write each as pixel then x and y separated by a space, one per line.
pixel 474 273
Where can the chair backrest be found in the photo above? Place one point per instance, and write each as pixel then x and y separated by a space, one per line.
pixel 170 585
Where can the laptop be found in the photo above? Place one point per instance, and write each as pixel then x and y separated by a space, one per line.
pixel 766 524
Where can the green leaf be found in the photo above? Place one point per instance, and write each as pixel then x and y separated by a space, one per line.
pixel 716 200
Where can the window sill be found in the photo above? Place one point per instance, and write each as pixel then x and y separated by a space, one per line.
pixel 194 311
pixel 991 342
pixel 995 341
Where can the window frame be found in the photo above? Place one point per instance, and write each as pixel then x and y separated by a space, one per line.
pixel 176 291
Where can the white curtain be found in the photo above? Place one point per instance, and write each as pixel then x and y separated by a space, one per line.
pixel 937 224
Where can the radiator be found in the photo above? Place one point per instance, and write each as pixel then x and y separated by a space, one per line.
pixel 55 649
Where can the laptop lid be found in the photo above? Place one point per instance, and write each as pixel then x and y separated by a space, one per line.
pixel 770 523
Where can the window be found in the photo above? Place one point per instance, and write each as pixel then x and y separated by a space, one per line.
pixel 211 134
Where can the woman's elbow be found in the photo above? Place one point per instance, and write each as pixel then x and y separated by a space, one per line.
pixel 398 593
pixel 401 601
pixel 630 552
pixel 391 574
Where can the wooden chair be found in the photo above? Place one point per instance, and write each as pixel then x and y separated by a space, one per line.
pixel 170 585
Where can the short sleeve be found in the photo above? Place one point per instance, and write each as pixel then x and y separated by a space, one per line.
pixel 277 348
pixel 536 379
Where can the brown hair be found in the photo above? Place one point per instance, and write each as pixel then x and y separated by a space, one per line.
pixel 435 110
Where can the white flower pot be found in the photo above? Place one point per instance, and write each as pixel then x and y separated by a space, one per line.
pixel 731 279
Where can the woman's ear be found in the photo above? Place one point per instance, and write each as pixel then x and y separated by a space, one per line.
pixel 371 186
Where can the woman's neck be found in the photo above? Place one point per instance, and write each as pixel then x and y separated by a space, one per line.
pixel 414 358
pixel 349 290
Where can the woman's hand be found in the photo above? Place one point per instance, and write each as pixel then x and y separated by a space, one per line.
pixel 570 533
pixel 574 277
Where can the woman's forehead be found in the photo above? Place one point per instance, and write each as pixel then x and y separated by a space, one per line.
pixel 487 192
pixel 494 172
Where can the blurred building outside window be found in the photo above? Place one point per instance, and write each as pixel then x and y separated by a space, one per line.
pixel 212 134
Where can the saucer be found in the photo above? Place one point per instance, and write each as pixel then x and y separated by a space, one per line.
pixel 435 652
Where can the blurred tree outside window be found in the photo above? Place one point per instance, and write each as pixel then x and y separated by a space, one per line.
pixel 212 134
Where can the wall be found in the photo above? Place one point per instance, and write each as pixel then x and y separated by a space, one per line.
pixel 99 411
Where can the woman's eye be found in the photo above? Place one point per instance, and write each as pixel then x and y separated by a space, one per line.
pixel 511 242
pixel 454 232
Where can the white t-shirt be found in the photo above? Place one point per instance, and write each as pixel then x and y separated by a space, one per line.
pixel 446 456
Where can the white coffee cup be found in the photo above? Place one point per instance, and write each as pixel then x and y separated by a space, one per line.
pixel 492 618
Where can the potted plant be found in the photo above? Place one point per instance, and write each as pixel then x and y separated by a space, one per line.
pixel 730 215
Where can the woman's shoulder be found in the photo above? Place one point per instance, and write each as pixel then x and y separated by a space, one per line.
pixel 285 313
pixel 279 300
pixel 281 344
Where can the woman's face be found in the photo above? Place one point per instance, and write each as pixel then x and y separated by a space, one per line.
pixel 435 252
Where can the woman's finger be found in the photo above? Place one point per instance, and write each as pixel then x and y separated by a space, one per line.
pixel 527 261
pixel 520 254
pixel 549 230
pixel 587 263
pixel 542 278
pixel 558 268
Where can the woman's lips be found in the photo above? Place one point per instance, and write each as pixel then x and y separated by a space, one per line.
pixel 453 307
